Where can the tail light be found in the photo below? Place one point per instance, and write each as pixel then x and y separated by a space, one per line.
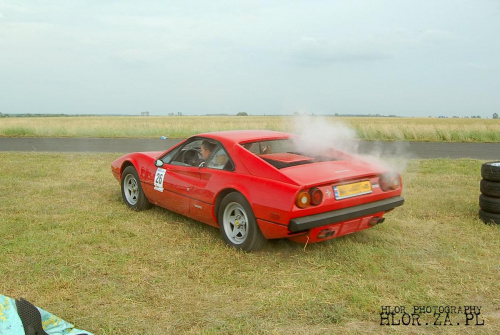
pixel 316 196
pixel 389 181
pixel 313 197
pixel 303 199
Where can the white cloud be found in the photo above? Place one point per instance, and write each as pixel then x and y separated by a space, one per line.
pixel 385 57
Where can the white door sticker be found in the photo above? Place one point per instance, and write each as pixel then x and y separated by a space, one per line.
pixel 159 176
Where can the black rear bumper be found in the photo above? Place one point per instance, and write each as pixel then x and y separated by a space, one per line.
pixel 318 220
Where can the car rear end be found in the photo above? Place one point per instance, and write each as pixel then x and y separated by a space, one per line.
pixel 340 198
pixel 335 193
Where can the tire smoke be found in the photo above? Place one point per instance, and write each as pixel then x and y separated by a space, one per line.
pixel 317 136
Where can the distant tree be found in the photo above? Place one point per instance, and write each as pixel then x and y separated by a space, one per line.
pixel 495 115
pixel 242 114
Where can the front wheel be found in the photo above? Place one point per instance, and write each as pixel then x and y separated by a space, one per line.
pixel 132 192
pixel 237 223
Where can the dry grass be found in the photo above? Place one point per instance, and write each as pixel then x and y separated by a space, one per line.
pixel 386 129
pixel 428 129
pixel 70 246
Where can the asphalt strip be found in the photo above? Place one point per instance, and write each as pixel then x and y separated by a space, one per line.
pixel 423 150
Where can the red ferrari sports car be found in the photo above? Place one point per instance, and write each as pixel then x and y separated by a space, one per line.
pixel 256 185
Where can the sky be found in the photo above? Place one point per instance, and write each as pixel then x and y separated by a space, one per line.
pixel 276 57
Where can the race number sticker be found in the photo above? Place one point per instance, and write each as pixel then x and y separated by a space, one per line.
pixel 159 176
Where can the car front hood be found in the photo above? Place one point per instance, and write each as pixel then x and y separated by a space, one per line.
pixel 152 154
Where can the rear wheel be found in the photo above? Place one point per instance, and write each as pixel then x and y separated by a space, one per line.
pixel 132 192
pixel 237 223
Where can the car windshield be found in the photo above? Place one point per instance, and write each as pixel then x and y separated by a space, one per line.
pixel 284 153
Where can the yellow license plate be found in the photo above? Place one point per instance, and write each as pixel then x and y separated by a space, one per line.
pixel 352 190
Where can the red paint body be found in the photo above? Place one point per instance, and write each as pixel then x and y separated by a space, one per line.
pixel 272 192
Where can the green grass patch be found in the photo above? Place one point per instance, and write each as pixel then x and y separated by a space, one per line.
pixel 18 132
pixel 367 128
pixel 70 245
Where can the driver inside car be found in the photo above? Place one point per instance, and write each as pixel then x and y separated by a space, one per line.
pixel 206 149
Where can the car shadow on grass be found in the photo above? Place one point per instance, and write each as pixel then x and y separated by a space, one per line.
pixel 187 228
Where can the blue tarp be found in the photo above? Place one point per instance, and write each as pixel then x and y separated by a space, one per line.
pixel 11 324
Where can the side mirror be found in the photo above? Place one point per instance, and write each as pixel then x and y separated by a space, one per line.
pixel 159 163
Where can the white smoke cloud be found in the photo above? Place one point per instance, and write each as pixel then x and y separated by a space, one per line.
pixel 317 136
pixel 393 156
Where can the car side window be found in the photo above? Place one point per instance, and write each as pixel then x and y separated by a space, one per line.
pixel 185 155
pixel 191 154
pixel 168 157
pixel 188 155
pixel 220 160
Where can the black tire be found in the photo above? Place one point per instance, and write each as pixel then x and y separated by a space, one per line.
pixel 132 192
pixel 489 217
pixel 489 204
pixel 237 223
pixel 490 188
pixel 491 171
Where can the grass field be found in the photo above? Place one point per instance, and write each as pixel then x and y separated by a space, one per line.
pixel 69 245
pixel 385 129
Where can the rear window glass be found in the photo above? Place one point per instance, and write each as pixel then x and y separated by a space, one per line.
pixel 284 153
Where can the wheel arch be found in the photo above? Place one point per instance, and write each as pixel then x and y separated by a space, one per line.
pixel 223 193
pixel 125 165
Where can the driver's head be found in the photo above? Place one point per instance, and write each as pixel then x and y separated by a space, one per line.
pixel 206 149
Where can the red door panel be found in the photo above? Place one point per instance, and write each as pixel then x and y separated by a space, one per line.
pixel 173 187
